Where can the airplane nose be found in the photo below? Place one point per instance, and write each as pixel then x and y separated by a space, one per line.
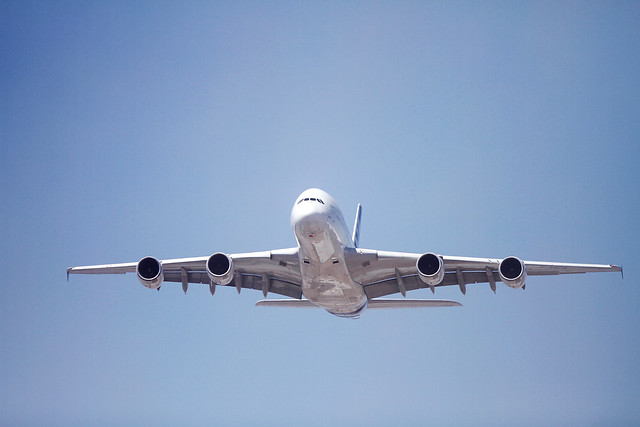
pixel 307 220
pixel 311 224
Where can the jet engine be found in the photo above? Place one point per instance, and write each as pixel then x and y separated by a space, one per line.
pixel 430 269
pixel 512 272
pixel 220 268
pixel 150 272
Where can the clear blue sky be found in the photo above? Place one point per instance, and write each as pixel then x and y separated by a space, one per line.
pixel 155 128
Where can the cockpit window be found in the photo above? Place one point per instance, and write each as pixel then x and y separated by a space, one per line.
pixel 310 199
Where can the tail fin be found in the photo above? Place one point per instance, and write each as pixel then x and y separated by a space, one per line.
pixel 356 226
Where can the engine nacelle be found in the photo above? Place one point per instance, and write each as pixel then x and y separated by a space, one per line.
pixel 150 272
pixel 512 272
pixel 430 269
pixel 220 268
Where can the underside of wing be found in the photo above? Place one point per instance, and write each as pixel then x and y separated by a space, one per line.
pixel 242 280
pixel 386 273
pixel 538 268
pixel 270 271
pixel 129 267
pixel 413 282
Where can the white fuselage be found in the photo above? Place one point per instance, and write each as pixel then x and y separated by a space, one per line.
pixel 322 237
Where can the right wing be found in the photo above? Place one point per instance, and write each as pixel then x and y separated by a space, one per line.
pixel 279 267
pixel 386 273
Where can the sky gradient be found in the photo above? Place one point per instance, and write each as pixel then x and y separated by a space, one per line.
pixel 154 128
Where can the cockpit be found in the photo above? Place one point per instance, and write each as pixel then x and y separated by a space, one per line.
pixel 310 199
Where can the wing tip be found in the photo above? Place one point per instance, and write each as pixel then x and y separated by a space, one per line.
pixel 619 268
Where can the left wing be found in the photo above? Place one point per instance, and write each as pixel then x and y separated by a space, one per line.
pixel 385 273
pixel 271 271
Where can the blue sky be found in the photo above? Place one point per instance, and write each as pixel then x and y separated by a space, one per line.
pixel 156 128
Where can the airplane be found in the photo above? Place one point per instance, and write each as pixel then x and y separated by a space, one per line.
pixel 329 270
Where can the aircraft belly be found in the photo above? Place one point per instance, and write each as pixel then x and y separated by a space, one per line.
pixel 330 286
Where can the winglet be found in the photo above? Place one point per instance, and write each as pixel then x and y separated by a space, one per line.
pixel 68 271
pixel 356 226
pixel 622 271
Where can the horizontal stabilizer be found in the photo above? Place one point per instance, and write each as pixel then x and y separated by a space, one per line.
pixel 410 303
pixel 372 304
pixel 297 303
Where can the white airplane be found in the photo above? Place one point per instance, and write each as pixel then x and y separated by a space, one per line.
pixel 328 270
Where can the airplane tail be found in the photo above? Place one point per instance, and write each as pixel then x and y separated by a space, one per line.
pixel 356 226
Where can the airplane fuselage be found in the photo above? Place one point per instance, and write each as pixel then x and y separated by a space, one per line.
pixel 322 236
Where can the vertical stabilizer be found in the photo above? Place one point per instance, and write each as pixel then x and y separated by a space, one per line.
pixel 356 226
